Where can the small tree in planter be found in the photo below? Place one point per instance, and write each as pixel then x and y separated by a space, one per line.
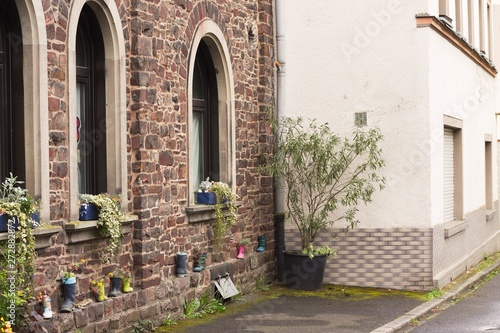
pixel 323 174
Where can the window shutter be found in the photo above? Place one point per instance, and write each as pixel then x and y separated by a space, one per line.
pixel 449 177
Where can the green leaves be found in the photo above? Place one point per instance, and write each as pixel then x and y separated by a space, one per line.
pixel 324 173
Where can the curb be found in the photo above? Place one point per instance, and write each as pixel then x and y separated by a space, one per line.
pixel 428 306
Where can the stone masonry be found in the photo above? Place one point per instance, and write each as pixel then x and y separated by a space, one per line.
pixel 158 36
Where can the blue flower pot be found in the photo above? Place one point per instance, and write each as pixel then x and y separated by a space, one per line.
pixel 88 212
pixel 206 198
pixel 3 222
pixel 4 219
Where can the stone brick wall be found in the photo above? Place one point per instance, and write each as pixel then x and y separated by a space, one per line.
pixel 158 36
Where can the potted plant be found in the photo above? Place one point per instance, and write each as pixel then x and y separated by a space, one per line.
pixel 224 199
pixel 324 178
pixel 124 274
pixel 69 285
pixel 109 221
pixel 16 204
pixel 99 289
pixel 241 248
pixel 18 259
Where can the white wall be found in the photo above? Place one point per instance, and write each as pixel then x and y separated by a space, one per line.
pixel 342 57
pixel 463 90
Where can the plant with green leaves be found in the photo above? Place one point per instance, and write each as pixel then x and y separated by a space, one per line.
pixel 225 208
pixel 17 254
pixel 109 222
pixel 323 174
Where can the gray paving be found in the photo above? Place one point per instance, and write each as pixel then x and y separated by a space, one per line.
pixel 387 313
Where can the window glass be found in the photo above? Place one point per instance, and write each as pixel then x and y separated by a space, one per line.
pixel 91 105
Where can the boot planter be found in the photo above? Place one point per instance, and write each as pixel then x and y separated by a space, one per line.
pixel 99 289
pixel 201 263
pixel 126 285
pixel 181 264
pixel 115 283
pixel 47 310
pixel 241 252
pixel 262 244
pixel 69 288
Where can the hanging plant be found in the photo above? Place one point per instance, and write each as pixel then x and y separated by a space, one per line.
pixel 224 207
pixel 109 222
pixel 17 254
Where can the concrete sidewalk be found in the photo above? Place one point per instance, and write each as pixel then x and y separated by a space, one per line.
pixel 334 309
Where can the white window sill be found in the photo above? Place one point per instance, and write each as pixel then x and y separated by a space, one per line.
pixel 454 227
pixel 490 215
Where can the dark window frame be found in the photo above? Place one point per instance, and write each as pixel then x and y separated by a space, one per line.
pixel 93 130
pixel 209 107
pixel 12 141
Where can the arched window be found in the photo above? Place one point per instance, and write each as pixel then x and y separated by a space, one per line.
pixel 91 105
pixel 12 145
pixel 205 117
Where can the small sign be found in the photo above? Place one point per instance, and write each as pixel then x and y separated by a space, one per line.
pixel 226 287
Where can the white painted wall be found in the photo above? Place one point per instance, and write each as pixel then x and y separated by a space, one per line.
pixel 460 89
pixel 342 57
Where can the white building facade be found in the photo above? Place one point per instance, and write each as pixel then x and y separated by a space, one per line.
pixel 423 72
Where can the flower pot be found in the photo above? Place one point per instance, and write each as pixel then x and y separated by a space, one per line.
pixel 3 222
pixel 101 293
pixel 181 264
pixel 206 198
pixel 4 219
pixel 303 273
pixel 69 288
pixel 35 216
pixel 88 212
pixel 126 285
pixel 115 283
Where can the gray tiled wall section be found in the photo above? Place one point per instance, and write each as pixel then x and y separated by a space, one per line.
pixel 372 257
pixel 454 255
pixel 406 258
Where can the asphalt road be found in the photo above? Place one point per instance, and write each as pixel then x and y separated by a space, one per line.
pixel 311 315
pixel 478 312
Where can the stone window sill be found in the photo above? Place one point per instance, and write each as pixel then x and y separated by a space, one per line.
pixel 454 227
pixel 490 215
pixel 81 231
pixel 42 235
pixel 203 213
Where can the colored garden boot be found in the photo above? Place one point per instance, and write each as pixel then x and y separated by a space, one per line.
pixel 69 288
pixel 115 283
pixel 126 285
pixel 201 263
pixel 181 264
pixel 47 311
pixel 262 244
pixel 241 252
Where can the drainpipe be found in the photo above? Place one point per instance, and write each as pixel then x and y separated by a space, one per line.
pixel 279 216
